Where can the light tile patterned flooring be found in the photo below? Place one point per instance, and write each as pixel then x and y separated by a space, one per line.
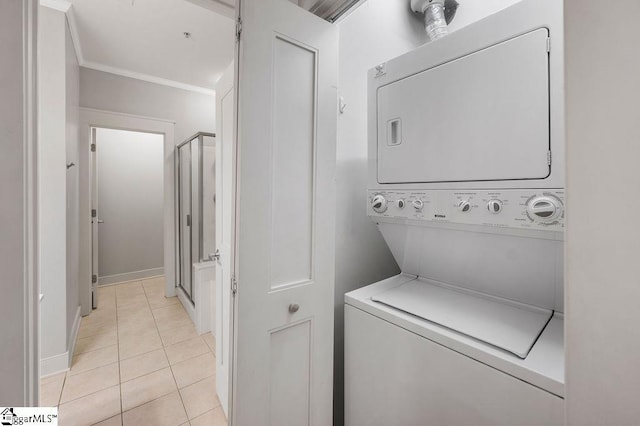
pixel 138 361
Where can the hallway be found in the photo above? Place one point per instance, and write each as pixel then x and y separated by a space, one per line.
pixel 138 360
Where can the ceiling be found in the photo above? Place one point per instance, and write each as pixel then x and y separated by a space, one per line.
pixel 145 39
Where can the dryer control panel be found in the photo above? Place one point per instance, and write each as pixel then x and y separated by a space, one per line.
pixel 541 209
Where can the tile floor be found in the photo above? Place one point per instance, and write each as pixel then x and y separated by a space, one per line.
pixel 138 361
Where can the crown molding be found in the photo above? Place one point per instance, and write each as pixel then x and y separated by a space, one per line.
pixel 218 6
pixel 146 77
pixel 66 7
pixel 61 5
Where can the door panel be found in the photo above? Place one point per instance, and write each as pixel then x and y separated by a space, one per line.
pixel 290 358
pixel 293 181
pixel 224 231
pixel 287 69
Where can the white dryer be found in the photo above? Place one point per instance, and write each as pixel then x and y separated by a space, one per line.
pixel 466 168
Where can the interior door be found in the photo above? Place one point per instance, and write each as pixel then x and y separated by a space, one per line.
pixel 287 98
pixel 94 221
pixel 224 232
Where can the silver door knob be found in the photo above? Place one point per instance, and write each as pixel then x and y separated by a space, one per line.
pixel 100 221
pixel 293 308
pixel 215 256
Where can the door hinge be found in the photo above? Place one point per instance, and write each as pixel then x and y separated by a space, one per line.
pixel 94 279
pixel 548 158
pixel 93 147
pixel 548 44
pixel 94 213
pixel 238 28
pixel 234 285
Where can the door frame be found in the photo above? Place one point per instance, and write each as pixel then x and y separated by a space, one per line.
pixel 90 118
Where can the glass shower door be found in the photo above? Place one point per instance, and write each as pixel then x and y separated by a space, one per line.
pixel 185 218
pixel 195 161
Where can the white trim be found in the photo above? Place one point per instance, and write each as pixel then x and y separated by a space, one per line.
pixel 132 281
pixel 62 362
pixel 130 276
pixel 31 325
pixel 90 117
pixel 127 115
pixel 73 338
pixel 54 364
pixel 146 77
pixel 216 6
pixel 61 5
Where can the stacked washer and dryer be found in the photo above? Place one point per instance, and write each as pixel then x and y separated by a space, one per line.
pixel 466 178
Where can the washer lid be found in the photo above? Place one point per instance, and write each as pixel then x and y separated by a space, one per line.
pixel 511 326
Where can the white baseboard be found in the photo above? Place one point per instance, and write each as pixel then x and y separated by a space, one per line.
pixel 130 276
pixel 62 362
pixel 73 338
pixel 54 364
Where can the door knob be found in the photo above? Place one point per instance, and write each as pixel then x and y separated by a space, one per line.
pixel 215 256
pixel 100 221
pixel 293 308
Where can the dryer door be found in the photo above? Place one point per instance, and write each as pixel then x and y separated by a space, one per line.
pixel 481 117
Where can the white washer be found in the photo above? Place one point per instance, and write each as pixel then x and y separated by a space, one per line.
pixel 466 167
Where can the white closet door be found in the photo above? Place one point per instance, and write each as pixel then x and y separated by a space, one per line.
pixel 287 100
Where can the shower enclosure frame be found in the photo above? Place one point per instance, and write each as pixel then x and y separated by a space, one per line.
pixel 199 137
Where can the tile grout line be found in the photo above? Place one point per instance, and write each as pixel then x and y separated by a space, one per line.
pixel 162 396
pixel 164 348
pixel 122 411
pixel 115 295
pixel 91 393
pixel 137 406
pixel 64 380
pixel 86 371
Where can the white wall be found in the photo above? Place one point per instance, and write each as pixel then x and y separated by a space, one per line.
pixel 52 211
pixel 72 88
pixel 57 189
pixel 17 196
pixel 375 32
pixel 130 201
pixel 602 244
pixel 192 112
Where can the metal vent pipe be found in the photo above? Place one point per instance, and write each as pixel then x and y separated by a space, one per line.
pixel 437 15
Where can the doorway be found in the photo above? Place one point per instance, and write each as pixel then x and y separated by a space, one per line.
pixel 127 206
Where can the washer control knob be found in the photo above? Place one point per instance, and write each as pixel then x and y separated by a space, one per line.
pixel 401 203
pixel 494 206
pixel 418 205
pixel 544 209
pixel 464 206
pixel 379 203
